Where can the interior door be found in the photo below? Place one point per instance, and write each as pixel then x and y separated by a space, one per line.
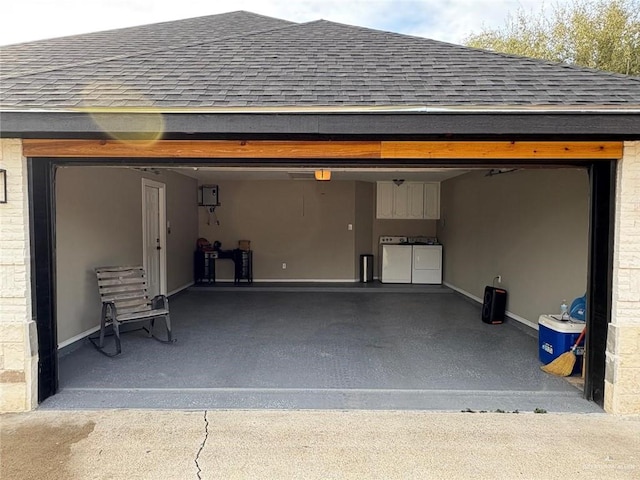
pixel 153 235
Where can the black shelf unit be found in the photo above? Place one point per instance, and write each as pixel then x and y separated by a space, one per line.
pixel 243 260
pixel 204 265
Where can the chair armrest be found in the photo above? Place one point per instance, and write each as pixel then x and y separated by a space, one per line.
pixel 109 309
pixel 160 301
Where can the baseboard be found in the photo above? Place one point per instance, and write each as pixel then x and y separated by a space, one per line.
pixel 515 317
pixel 179 289
pixel 78 337
pixel 295 280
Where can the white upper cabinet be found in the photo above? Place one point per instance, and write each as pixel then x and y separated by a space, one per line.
pixel 410 200
pixel 415 203
pixel 400 200
pixel 432 201
pixel 384 200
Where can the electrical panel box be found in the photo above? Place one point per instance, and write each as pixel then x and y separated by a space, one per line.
pixel 208 196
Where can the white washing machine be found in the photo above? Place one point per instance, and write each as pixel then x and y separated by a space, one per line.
pixel 427 264
pixel 396 260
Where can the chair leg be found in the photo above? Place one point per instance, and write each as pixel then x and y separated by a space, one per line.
pixel 167 321
pixel 108 315
pixel 116 330
pixel 162 302
pixel 103 325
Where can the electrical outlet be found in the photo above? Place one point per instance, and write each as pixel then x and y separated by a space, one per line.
pixel 284 266
pixel 350 226
pixel 499 277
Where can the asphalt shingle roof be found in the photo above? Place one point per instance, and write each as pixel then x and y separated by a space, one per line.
pixel 245 60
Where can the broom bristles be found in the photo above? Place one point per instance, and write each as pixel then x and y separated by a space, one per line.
pixel 561 366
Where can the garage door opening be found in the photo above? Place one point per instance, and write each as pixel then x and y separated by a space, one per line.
pixel 558 197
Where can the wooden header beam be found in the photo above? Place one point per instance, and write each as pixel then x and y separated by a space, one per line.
pixel 503 150
pixel 268 149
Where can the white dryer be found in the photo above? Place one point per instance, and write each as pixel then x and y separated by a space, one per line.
pixel 427 264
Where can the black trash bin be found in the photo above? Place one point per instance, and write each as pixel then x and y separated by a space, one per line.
pixel 366 268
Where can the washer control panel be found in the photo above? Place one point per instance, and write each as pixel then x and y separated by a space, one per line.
pixel 393 240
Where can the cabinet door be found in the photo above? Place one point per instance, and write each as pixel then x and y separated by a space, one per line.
pixel 401 201
pixel 384 200
pixel 432 201
pixel 416 200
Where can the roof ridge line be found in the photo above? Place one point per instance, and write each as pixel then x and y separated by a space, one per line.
pixel 551 63
pixel 142 52
pixel 380 31
pixel 514 56
pixel 131 27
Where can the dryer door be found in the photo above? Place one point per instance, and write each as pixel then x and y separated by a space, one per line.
pixel 427 264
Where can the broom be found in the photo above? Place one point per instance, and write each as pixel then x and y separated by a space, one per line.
pixel 563 365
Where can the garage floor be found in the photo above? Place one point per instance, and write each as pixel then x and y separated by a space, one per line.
pixel 356 348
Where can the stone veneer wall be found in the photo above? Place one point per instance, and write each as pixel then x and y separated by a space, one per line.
pixel 18 340
pixel 622 380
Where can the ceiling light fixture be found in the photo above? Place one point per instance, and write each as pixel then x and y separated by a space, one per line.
pixel 322 175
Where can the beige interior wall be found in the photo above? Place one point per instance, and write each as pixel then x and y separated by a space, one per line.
pixel 182 215
pixel 530 226
pixel 99 222
pixel 364 214
pixel 298 222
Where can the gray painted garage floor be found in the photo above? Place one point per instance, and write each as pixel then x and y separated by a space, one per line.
pixel 381 348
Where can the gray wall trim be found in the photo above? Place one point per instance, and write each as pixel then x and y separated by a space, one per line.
pixel 415 125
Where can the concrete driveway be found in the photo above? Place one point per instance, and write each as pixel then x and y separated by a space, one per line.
pixel 154 444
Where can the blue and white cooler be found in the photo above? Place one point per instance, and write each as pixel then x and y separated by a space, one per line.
pixel 556 337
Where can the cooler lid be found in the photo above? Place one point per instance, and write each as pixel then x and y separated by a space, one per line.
pixel 562 326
